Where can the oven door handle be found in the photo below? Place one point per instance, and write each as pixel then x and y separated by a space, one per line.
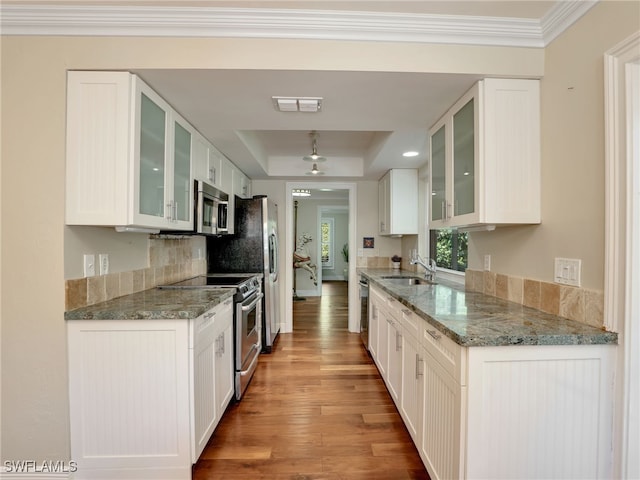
pixel 252 366
pixel 252 304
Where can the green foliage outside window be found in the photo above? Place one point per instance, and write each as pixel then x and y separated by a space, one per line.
pixel 450 249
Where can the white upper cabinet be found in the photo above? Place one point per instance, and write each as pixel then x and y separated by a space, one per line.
pixel 485 157
pixel 398 202
pixel 209 164
pixel 241 184
pixel 128 155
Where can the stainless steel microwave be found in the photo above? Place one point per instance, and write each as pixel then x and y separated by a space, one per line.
pixel 211 211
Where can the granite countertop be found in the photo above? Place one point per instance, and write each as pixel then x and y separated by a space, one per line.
pixel 154 304
pixel 473 319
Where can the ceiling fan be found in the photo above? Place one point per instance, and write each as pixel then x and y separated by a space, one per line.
pixel 315 171
pixel 314 157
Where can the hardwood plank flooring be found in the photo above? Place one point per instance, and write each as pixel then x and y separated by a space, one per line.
pixel 315 409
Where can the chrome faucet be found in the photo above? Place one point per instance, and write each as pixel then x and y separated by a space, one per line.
pixel 429 266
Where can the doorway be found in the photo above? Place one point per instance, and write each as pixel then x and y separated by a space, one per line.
pixel 622 255
pixel 290 245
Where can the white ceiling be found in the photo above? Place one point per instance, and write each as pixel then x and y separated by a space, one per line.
pixel 367 118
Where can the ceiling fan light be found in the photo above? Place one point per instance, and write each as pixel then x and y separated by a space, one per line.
pixel 314 157
pixel 315 171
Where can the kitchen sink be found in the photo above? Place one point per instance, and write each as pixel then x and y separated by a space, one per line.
pixel 408 281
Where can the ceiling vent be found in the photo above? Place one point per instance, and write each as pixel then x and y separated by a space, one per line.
pixel 297 104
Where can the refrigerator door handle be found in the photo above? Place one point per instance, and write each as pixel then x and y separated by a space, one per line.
pixel 273 246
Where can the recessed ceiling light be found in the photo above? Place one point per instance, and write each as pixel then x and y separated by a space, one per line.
pixel 410 154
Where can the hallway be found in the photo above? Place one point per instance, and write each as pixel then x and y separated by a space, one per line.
pixel 316 409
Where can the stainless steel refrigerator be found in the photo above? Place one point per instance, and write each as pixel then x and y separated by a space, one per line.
pixel 252 249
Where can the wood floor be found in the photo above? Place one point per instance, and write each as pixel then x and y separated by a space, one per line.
pixel 315 409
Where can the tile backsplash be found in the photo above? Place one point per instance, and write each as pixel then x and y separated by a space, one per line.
pixel 170 260
pixel 579 304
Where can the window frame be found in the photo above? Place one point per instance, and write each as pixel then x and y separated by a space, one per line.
pixel 454 250
pixel 330 264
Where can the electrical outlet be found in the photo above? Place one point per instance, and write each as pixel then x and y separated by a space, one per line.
pixel 103 258
pixel 567 271
pixel 487 263
pixel 89 263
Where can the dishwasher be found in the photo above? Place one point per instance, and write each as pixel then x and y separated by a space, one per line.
pixel 364 311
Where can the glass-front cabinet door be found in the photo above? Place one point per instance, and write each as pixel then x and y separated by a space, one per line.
pixel 463 157
pixel 438 175
pixel 163 196
pixel 454 164
pixel 182 173
pixel 153 144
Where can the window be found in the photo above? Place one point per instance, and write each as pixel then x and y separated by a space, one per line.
pixel 326 242
pixel 449 249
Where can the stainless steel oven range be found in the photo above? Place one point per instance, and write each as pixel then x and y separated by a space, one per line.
pixel 247 317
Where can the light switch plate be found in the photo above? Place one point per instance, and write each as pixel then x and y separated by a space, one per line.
pixel 89 263
pixel 103 260
pixel 567 271
pixel 487 263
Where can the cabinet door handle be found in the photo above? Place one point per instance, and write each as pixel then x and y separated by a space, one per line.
pixel 419 371
pixel 406 311
pixel 221 344
pixel 209 315
pixel 175 211
pixel 398 341
pixel 168 211
pixel 434 334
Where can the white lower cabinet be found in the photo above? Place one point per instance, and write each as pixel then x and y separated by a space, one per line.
pixel 442 441
pixel 145 395
pixel 503 412
pixel 394 363
pixel 412 379
pixel 224 371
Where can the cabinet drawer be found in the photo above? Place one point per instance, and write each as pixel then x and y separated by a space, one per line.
pixel 411 322
pixel 202 328
pixel 451 356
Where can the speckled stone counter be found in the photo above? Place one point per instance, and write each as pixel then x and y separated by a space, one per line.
pixel 154 304
pixel 473 319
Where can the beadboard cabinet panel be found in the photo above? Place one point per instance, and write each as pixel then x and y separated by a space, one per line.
pixel 129 398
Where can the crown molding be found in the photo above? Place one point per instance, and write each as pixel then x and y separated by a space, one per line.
pixel 562 16
pixel 207 22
